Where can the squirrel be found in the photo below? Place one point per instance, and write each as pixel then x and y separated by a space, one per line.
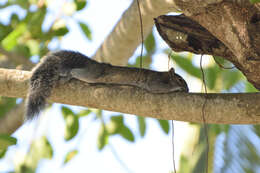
pixel 60 67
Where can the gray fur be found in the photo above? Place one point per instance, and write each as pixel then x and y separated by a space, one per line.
pixel 59 67
pixel 47 74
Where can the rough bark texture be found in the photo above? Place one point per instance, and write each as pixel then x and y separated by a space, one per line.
pixel 220 108
pixel 183 34
pixel 236 24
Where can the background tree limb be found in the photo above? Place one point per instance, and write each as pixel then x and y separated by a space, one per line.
pixel 121 43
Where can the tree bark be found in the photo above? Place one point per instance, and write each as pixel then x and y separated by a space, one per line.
pixel 220 108
pixel 236 24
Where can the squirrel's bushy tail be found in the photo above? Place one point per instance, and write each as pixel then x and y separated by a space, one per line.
pixel 47 74
pixel 43 79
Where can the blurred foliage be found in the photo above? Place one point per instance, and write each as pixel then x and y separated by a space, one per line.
pixel 71 121
pixel 150 46
pixel 39 149
pixel 5 142
pixel 6 104
pixel 28 35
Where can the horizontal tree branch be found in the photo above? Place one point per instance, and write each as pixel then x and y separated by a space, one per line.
pixel 220 108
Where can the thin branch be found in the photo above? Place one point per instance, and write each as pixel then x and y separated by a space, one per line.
pixel 17 59
pixel 12 120
pixel 221 108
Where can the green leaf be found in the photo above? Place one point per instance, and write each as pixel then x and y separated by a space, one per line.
pixel 85 30
pixel 115 124
pixel 146 62
pixel 164 125
pixel 5 30
pixel 14 19
pixel 6 104
pixel 10 41
pixel 70 155
pixel 257 130
pixel 211 74
pixel 141 125
pixel 149 43
pixel 186 65
pixel 22 3
pixel 219 128
pixel 2 153
pixel 80 4
pixel 72 123
pixel 6 141
pixel 84 113
pixel 72 126
pixel 102 138
pixel 61 31
pixel 219 59
pixel 250 88
pixel 35 20
pixel 126 133
pixel 66 111
pixel 230 78
pixel 40 148
pixel 117 118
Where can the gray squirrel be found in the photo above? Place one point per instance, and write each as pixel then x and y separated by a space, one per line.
pixel 62 66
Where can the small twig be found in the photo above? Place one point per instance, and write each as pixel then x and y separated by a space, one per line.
pixel 118 158
pixel 173 160
pixel 142 33
pixel 203 114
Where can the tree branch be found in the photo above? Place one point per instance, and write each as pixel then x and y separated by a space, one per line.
pixel 220 108
pixel 121 43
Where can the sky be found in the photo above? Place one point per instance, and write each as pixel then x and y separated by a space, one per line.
pixel 152 154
